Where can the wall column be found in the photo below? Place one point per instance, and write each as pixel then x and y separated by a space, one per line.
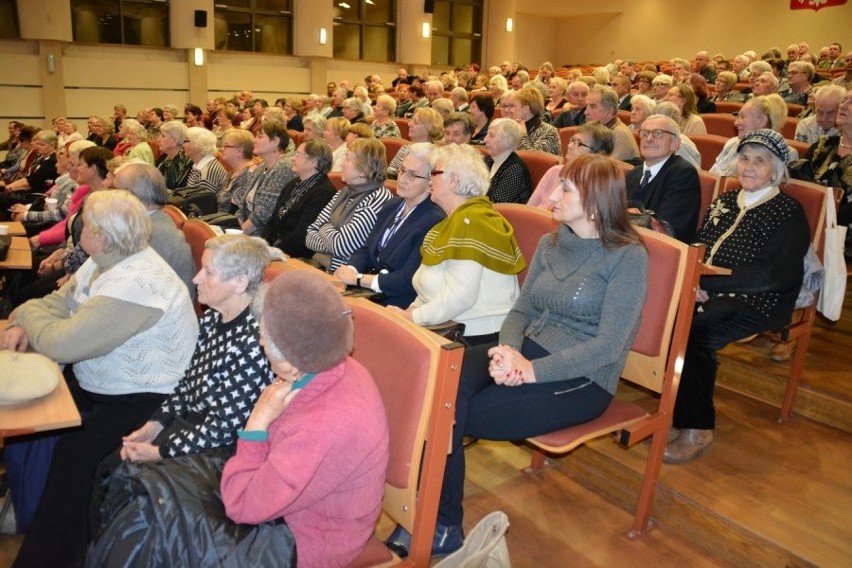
pixel 52 82
pixel 308 17
pixel 498 45
pixel 412 48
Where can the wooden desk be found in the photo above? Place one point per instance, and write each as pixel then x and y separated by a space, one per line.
pixel 51 412
pixel 20 255
pixel 16 228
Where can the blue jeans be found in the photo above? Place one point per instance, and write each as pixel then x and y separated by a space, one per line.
pixel 494 412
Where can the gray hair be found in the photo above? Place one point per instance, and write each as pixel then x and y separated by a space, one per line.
pixel 144 181
pixel 47 136
pixel 498 81
pixel 353 103
pixel 422 151
pixel 669 110
pixel 466 164
pixel 643 101
pixel 202 139
pixel 761 66
pixel 316 120
pixel 170 108
pixel 609 98
pixel 174 130
pixel 387 102
pixel 120 218
pixel 780 174
pixel 460 93
pixel 828 90
pixel 241 255
pixel 670 122
pixel 443 106
pixel 135 127
pixel 508 131
pixel 78 146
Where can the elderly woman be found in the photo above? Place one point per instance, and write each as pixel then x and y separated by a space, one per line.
pixel 684 97
pixel 353 110
pixel 359 130
pixel 62 190
pixel 444 107
pixel 537 134
pixel 557 89
pixel 761 235
pixel 497 85
pixel 315 448
pixel 384 125
pixel 510 177
pixel 121 377
pixel 206 172
pixel 293 114
pixel 238 153
pixel 301 200
pixel 104 134
pixel 564 343
pixel 759 112
pixel 274 173
pixel 417 99
pixel 426 126
pixel 660 87
pixel 643 83
pixel 725 83
pixel 40 173
pixel 314 127
pixel 590 138
pixel 345 223
pixel 641 107
pixel 471 259
pixel 134 140
pixel 482 111
pixel 227 370
pixel 173 163
pixel 334 134
pixel 387 261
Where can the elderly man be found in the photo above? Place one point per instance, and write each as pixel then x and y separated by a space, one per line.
pixel 826 103
pixel 602 106
pixel 764 84
pixel 506 68
pixel 833 61
pixel 702 66
pixel 458 128
pixel 460 99
pixel 434 90
pixel 792 53
pixel 845 81
pixel 665 182
pixel 402 76
pixel 800 75
pixel 337 98
pixel 628 69
pixel 803 48
pixel 621 86
pixel 740 67
pixel 148 185
pixel 575 114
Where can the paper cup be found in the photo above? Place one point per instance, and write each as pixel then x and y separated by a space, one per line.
pixel 51 203
pixel 233 232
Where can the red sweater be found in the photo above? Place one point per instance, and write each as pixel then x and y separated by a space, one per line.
pixel 322 469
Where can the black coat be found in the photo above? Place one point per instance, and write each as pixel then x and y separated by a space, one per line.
pixel 512 182
pixel 674 194
pixel 286 229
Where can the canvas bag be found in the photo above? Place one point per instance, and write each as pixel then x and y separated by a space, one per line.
pixel 484 547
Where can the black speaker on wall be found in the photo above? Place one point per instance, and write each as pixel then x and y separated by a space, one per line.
pixel 201 18
pixel 429 6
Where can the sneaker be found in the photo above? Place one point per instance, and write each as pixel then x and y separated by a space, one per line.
pixel 447 540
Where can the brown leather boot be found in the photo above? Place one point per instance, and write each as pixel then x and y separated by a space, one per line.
pixel 781 351
pixel 689 445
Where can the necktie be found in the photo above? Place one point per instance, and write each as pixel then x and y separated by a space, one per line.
pixel 645 179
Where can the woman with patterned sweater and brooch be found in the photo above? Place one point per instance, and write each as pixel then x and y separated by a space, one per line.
pixel 387 261
pixel 761 235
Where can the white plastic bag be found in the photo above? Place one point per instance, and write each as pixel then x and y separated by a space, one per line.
pixel 484 547
pixel 830 302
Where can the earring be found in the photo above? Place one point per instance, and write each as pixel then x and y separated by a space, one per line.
pixel 592 217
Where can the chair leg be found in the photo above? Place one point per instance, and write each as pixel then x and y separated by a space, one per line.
pixel 796 366
pixel 537 462
pixel 642 520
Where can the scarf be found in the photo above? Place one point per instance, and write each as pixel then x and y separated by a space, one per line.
pixel 348 199
pixel 475 231
pixel 300 190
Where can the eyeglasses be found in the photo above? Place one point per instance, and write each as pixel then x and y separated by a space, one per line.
pixel 411 175
pixel 579 142
pixel 299 154
pixel 656 134
pixel 228 146
pixel 434 173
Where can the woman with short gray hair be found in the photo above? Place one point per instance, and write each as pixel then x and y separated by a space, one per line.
pixel 134 141
pixel 206 172
pixel 353 110
pixel 173 163
pixel 470 259
pixel 313 125
pixel 510 178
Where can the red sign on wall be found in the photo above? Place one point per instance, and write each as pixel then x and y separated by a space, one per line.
pixel 814 4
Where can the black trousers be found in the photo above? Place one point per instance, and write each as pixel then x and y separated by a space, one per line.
pixel 494 412
pixel 716 323
pixel 59 532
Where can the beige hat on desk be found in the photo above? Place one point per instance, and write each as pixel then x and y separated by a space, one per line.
pixel 26 376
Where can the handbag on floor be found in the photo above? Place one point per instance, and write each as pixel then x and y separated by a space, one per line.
pixel 484 547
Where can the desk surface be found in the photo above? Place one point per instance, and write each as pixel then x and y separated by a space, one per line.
pixel 20 255
pixel 51 412
pixel 16 228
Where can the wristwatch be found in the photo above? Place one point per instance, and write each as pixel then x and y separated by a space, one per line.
pixel 358 279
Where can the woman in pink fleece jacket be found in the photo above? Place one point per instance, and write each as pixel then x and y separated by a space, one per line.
pixel 315 448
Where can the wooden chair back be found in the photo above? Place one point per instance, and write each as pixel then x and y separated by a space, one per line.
pixel 538 163
pixel 197 232
pixel 789 128
pixel 720 124
pixel 402 123
pixel 654 362
pixel 336 179
pixel 709 191
pixel 530 224
pixel 565 135
pixel 728 107
pixel 709 146
pixel 421 411
pixel 177 216
pixel 392 146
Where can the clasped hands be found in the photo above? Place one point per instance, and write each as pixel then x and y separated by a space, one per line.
pixel 508 367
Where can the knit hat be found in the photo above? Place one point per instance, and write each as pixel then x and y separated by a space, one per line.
pixel 769 139
pixel 306 319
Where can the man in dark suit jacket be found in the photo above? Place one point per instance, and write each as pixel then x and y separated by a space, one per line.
pixel 665 182
pixel 621 86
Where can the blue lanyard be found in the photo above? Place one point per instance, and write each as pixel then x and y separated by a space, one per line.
pixel 301 383
pixel 398 220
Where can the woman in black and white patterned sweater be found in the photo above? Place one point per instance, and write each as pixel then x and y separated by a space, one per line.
pixel 761 235
pixel 228 369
